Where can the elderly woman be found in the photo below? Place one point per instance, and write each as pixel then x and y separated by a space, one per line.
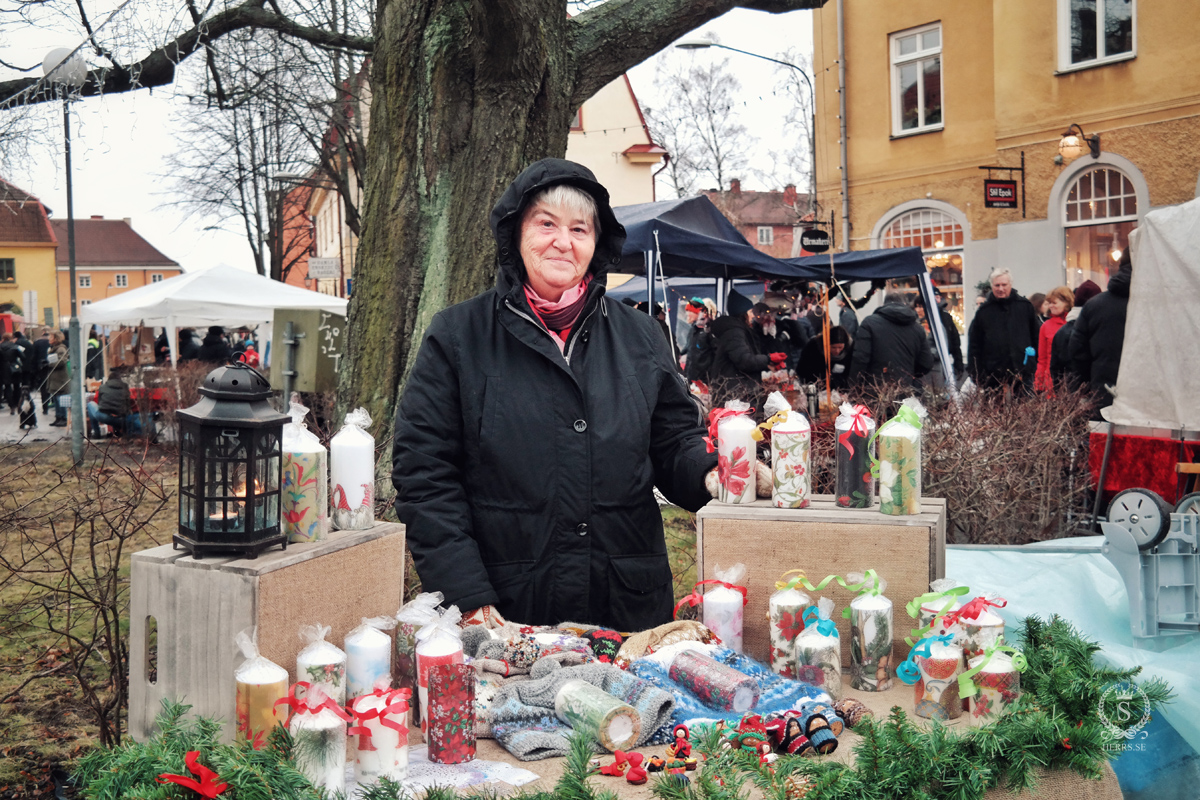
pixel 536 420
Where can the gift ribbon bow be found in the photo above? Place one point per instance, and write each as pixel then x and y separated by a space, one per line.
pixel 857 425
pixel 967 687
pixel 824 626
pixel 206 787
pixel 714 419
pixel 972 609
pixel 904 414
pixel 914 610
pixel 775 419
pixel 444 623
pixel 302 706
pixel 396 702
pixel 868 587
pixel 908 671
pixel 695 598
pixel 797 581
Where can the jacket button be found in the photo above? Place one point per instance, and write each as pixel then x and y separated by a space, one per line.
pixel 580 425
pixel 581 529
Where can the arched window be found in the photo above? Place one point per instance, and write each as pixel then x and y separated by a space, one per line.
pixel 940 238
pixel 1099 212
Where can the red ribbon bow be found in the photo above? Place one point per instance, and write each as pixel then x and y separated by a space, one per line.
pixel 206 787
pixel 695 598
pixel 396 701
pixel 857 425
pixel 972 610
pixel 302 706
pixel 714 419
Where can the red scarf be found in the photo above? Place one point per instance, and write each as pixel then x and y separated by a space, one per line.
pixel 559 316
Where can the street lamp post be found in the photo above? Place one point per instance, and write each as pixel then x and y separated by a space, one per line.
pixel 701 44
pixel 67 71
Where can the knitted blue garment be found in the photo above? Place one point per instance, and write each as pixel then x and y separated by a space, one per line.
pixel 776 693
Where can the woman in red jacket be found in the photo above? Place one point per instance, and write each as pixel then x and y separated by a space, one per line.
pixel 1058 302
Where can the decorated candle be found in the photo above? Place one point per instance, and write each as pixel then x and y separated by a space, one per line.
pixel 318 730
pixel 451 722
pixel 722 609
pixel 352 473
pixel 322 663
pixel 259 684
pixel 932 669
pixel 735 458
pixel 409 619
pixel 379 735
pixel 871 633
pixel 791 441
pixel 785 613
pixel 899 443
pixel 819 650
pixel 995 678
pixel 980 626
pixel 368 656
pixel 716 684
pixel 589 709
pixel 439 642
pixel 303 496
pixel 855 485
pixel 942 598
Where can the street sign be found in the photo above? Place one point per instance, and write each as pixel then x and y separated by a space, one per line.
pixel 815 240
pixel 324 268
pixel 999 194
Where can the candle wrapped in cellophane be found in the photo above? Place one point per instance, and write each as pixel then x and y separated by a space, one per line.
pixel 439 642
pixel 379 735
pixel 714 683
pixel 978 626
pixel 318 730
pixel 352 473
pixel 819 649
pixel 321 663
pixel 785 614
pixel 731 433
pixel 993 683
pixel 870 615
pixel 854 486
pixel 899 445
pixel 304 492
pixel 723 603
pixel 588 709
pixel 260 684
pixel 791 444
pixel 932 668
pixel 411 617
pixel 368 656
pixel 450 727
pixel 942 598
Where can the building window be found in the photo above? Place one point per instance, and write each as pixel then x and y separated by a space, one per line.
pixel 1100 211
pixel 122 281
pixel 8 270
pixel 577 120
pixel 917 80
pixel 766 234
pixel 85 281
pixel 940 238
pixel 1095 31
pixel 155 277
pixel 85 302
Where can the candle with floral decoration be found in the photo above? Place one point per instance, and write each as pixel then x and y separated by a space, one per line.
pixel 451 725
pixel 411 617
pixel 979 627
pixel 352 473
pixel 368 656
pixel 321 663
pixel 379 735
pixel 942 598
pixel 260 684
pixel 819 649
pixel 722 612
pixel 714 683
pixel 899 443
pixel 870 615
pixel 735 429
pixel 854 486
pixel 785 613
pixel 995 678
pixel 303 494
pixel 439 642
pixel 791 441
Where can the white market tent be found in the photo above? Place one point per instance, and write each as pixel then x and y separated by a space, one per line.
pixel 219 296
pixel 1159 378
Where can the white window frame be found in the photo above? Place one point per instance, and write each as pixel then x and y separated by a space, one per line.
pixel 1064 40
pixel 766 234
pixel 156 277
pixel 1105 218
pixel 85 302
pixel 898 61
pixel 121 280
pixel 85 281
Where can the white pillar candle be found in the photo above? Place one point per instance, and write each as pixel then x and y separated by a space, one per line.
pixel 785 614
pixel 791 442
pixel 736 459
pixel 319 749
pixel 368 658
pixel 382 752
pixel 259 684
pixel 352 473
pixel 723 616
pixel 933 608
pixel 999 686
pixel 322 664
pixel 871 645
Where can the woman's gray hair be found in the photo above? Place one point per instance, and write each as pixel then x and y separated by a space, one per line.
pixel 568 198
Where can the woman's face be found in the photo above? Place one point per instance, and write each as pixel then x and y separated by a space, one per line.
pixel 1058 306
pixel 556 248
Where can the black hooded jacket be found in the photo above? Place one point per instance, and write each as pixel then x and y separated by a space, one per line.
pixel 997 339
pixel 891 345
pixel 524 474
pixel 737 368
pixel 1098 337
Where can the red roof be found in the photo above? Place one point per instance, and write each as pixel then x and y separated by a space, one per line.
pixel 22 217
pixel 107 243
pixel 745 207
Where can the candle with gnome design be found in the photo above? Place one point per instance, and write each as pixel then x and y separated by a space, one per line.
pixel 352 472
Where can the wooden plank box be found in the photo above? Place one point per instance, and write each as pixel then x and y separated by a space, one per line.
pixel 824 539
pixel 196 608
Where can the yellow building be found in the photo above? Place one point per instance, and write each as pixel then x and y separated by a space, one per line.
pixel 937 89
pixel 110 258
pixel 27 244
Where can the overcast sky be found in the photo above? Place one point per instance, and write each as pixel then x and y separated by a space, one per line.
pixel 120 143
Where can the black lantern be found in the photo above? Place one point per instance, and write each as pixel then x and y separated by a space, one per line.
pixel 229 466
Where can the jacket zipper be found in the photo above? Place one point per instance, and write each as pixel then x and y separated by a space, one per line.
pixel 571 346
pixel 578 331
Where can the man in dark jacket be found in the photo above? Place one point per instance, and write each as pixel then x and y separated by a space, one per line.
pixel 111 406
pixel 41 366
pixel 214 349
pixel 535 425
pixel 739 363
pixel 189 348
pixel 1099 335
pixel 1003 333
pixel 10 372
pixel 891 345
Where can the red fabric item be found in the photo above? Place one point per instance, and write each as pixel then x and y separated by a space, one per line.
pixel 1041 380
pixel 1143 462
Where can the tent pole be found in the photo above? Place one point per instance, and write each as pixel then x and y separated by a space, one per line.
pixel 940 341
pixel 648 255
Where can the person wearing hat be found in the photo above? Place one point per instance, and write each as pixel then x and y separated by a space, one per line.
pixel 698 349
pixel 740 361
pixel 214 349
pixel 537 420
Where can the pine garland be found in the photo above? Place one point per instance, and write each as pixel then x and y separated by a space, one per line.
pixel 1055 724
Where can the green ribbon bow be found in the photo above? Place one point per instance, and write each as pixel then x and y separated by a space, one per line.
pixel 967 687
pixel 914 608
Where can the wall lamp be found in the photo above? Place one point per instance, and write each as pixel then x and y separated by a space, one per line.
pixel 1073 141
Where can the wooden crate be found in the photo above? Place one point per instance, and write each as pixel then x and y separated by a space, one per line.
pixel 824 539
pixel 198 606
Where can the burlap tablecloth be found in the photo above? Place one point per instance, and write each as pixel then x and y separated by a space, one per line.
pixel 1051 785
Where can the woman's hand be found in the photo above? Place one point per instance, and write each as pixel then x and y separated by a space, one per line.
pixel 762 485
